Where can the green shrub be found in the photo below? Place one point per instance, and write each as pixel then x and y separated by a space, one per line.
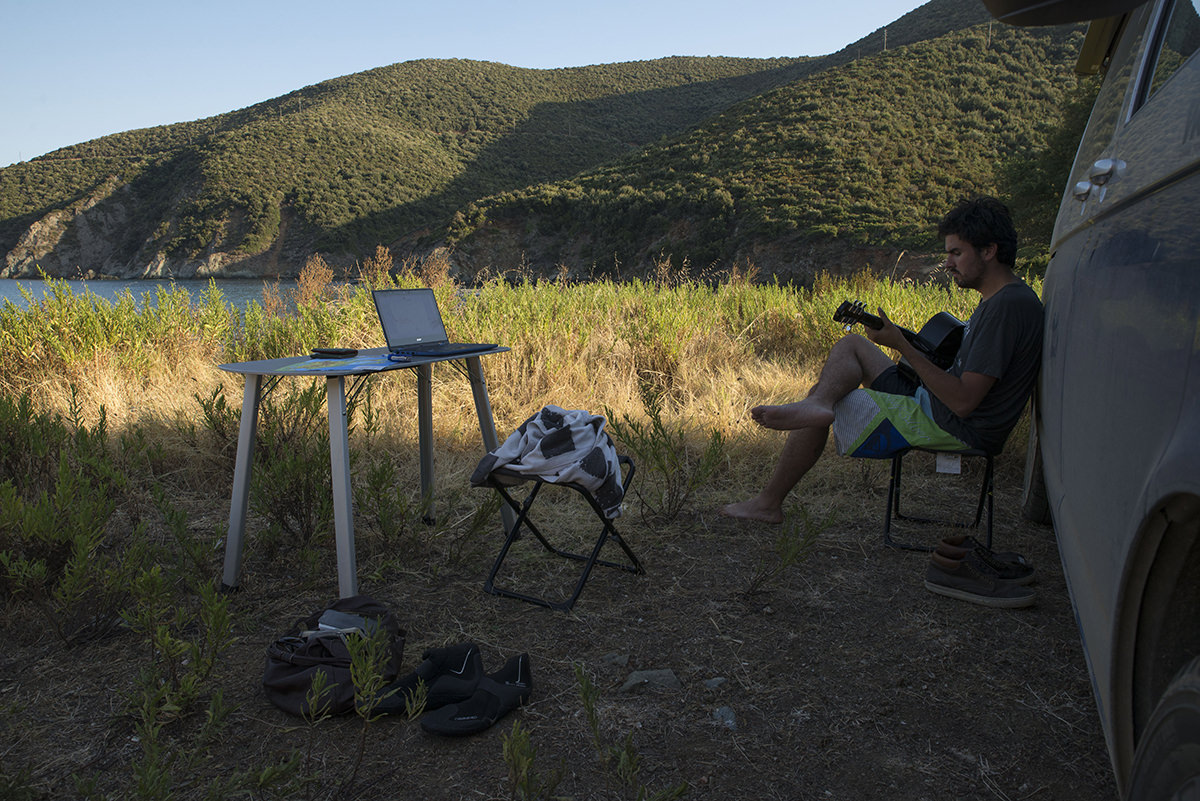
pixel 290 488
pixel 56 551
pixel 676 470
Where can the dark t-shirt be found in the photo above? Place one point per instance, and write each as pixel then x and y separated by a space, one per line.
pixel 1003 340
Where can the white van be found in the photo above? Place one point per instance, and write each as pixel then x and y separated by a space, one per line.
pixel 1119 399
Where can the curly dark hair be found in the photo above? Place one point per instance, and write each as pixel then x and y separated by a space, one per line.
pixel 982 222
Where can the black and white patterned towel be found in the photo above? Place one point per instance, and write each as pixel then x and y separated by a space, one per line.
pixel 561 446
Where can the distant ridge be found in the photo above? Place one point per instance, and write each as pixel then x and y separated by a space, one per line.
pixel 848 168
pixel 578 169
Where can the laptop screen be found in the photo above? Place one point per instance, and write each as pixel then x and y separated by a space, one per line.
pixel 409 316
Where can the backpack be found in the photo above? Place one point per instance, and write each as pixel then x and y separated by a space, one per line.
pixel 317 644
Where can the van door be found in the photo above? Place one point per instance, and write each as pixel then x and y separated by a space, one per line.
pixel 1134 307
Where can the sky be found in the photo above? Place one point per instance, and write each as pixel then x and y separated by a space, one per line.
pixel 75 70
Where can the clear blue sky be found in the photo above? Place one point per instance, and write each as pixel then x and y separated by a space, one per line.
pixel 74 70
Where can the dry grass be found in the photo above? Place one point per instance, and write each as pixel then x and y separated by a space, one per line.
pixel 846 678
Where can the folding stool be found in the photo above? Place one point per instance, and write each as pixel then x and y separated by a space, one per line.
pixel 502 480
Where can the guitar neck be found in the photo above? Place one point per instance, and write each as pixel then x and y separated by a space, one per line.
pixel 939 339
pixel 871 321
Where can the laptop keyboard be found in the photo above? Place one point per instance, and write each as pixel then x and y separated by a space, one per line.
pixel 442 348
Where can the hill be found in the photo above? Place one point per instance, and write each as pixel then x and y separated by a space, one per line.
pixel 348 163
pixel 704 159
pixel 853 164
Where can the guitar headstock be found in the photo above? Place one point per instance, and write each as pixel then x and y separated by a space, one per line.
pixel 850 312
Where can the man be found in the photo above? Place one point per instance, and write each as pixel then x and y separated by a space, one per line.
pixel 975 403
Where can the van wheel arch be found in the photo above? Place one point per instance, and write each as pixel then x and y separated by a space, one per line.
pixel 1167 764
pixel 1163 660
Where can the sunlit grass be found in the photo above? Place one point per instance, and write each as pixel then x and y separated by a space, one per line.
pixel 704 351
pixel 121 431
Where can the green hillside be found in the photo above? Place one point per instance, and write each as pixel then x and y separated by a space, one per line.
pixel 871 152
pixel 704 159
pixel 355 161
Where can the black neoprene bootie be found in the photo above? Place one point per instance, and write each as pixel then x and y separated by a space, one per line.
pixel 497 694
pixel 450 674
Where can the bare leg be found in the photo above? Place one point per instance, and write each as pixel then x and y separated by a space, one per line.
pixel 800 453
pixel 854 360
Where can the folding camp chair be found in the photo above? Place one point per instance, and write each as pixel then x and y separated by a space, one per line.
pixel 502 480
pixel 892 511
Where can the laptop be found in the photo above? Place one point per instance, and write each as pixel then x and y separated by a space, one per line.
pixel 412 324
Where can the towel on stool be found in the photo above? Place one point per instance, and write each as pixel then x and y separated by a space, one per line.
pixel 560 446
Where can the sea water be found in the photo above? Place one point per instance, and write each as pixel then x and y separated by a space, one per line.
pixel 239 292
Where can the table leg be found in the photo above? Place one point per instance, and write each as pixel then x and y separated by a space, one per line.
pixel 236 534
pixel 339 463
pixel 487 424
pixel 425 435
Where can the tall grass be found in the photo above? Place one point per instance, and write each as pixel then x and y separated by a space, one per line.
pixel 120 433
pixel 698 354
pixel 702 350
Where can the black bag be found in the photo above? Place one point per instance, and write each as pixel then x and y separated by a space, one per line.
pixel 318 644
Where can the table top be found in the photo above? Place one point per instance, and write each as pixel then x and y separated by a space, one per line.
pixel 371 360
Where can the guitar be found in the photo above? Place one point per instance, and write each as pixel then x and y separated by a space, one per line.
pixel 939 339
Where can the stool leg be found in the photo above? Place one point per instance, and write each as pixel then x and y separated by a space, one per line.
pixel 513 531
pixel 589 560
pixel 986 502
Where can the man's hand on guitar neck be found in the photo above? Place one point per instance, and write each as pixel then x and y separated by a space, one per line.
pixel 961 395
pixel 890 336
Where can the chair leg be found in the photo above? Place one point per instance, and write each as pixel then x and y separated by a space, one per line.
pixel 986 496
pixel 893 503
pixel 986 501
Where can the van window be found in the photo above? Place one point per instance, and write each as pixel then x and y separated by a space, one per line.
pixel 1178 41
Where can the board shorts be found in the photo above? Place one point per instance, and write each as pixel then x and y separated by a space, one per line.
pixel 893 415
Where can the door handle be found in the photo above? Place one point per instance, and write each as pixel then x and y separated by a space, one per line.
pixel 1105 170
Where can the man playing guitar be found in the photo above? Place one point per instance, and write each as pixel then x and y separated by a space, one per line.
pixel 972 404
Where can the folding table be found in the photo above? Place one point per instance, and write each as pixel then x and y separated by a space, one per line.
pixel 261 378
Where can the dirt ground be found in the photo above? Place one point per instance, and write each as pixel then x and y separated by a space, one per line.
pixel 838 677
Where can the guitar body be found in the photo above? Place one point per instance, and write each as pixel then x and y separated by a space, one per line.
pixel 939 339
pixel 943 336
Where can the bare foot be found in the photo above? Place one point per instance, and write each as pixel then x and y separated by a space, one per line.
pixel 753 509
pixel 807 413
